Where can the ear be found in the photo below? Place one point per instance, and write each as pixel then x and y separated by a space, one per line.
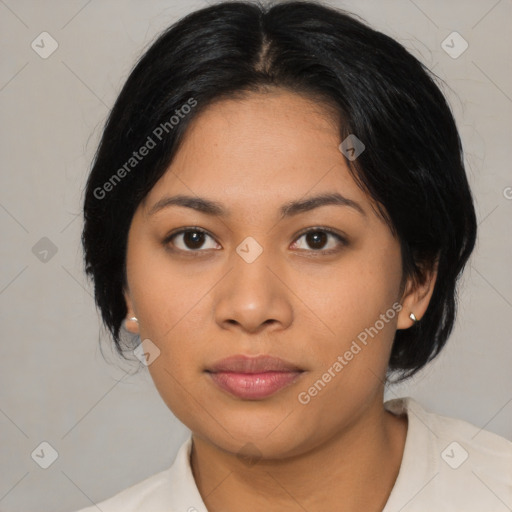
pixel 130 325
pixel 416 296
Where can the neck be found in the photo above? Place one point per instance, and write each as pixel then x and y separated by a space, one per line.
pixel 365 455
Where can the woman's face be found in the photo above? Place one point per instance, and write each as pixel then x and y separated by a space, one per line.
pixel 253 282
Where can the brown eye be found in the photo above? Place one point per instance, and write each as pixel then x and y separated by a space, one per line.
pixel 317 239
pixel 191 240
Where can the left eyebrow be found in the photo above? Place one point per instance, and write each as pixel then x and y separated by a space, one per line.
pixel 310 203
pixel 289 209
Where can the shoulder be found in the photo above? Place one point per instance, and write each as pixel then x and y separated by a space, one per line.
pixel 167 490
pixel 491 451
pixel 134 497
pixel 454 464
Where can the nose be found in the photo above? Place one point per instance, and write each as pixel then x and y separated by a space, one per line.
pixel 253 296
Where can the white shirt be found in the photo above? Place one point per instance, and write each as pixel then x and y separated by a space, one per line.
pixel 448 465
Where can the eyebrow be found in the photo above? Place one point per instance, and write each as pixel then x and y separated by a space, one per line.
pixel 288 209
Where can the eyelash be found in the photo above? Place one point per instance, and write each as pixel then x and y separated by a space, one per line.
pixel 342 240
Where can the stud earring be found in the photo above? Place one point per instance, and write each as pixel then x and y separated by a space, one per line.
pixel 412 316
pixel 129 322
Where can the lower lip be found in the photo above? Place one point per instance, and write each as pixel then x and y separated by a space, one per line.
pixel 253 386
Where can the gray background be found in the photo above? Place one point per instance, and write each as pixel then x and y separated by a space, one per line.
pixel 109 427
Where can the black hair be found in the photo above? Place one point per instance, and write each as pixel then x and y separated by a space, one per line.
pixel 412 166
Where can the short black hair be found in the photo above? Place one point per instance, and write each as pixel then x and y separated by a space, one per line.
pixel 412 166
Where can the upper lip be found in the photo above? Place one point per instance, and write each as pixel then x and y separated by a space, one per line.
pixel 257 364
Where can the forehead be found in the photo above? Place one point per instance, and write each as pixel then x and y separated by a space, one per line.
pixel 266 148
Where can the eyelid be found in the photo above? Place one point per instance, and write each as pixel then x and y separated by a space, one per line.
pixel 325 229
pixel 341 237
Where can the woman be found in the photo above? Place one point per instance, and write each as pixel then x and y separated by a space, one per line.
pixel 278 212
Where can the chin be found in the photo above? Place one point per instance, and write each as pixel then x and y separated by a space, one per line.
pixel 265 437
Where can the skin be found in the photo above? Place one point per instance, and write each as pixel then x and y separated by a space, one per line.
pixel 253 155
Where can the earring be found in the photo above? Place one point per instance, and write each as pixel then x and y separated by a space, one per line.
pixel 412 316
pixel 128 324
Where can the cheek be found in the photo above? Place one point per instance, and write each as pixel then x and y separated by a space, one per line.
pixel 359 289
pixel 177 388
pixel 161 290
pixel 357 305
pixel 352 356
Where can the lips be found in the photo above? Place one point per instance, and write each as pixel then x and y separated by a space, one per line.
pixel 253 378
pixel 258 364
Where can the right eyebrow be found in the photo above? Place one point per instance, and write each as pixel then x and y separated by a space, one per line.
pixel 310 203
